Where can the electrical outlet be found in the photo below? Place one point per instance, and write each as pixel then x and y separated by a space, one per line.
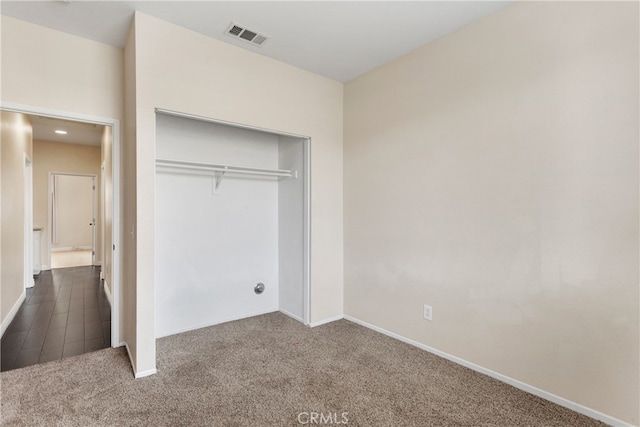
pixel 428 312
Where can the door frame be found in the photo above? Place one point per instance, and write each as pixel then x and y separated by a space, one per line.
pixel 306 146
pixel 28 222
pixel 115 164
pixel 102 212
pixel 94 209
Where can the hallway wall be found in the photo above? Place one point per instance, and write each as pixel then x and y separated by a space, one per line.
pixel 15 143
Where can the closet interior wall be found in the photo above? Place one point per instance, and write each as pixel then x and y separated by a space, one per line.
pixel 214 245
pixel 291 238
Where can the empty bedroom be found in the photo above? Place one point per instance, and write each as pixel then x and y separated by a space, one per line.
pixel 333 213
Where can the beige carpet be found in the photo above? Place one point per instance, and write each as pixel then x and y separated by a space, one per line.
pixel 271 371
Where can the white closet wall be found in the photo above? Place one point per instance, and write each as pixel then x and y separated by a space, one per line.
pixel 291 228
pixel 213 246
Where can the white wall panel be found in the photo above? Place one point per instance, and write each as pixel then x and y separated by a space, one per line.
pixel 212 249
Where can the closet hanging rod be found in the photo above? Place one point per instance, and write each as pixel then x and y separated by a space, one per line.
pixel 205 167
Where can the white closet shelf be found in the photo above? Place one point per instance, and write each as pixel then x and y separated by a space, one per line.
pixel 217 170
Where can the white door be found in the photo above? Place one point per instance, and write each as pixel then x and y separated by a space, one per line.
pixel 73 214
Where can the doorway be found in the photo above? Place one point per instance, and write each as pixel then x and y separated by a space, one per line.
pixel 72 220
pixel 110 245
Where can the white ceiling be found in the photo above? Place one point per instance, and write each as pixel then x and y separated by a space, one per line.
pixel 337 39
pixel 77 132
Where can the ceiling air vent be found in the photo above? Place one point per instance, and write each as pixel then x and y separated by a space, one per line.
pixel 243 33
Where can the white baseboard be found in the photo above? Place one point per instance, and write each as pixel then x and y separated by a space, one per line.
pixel 107 293
pixel 503 378
pixel 137 374
pixel 293 316
pixel 325 321
pixel 146 373
pixel 12 313
pixel 71 248
pixel 46 267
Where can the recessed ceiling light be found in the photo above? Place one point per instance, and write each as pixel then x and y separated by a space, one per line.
pixel 60 132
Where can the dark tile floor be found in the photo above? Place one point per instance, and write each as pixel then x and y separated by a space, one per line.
pixel 65 314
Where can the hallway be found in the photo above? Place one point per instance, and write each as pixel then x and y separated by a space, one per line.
pixel 65 314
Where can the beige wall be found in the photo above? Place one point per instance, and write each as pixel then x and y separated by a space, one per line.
pixel 15 143
pixel 2 317
pixel 61 158
pixel 203 76
pixel 48 68
pixel 128 327
pixel 494 175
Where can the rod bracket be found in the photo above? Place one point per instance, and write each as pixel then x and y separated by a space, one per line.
pixel 217 180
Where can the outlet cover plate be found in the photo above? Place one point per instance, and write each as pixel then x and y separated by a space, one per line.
pixel 428 312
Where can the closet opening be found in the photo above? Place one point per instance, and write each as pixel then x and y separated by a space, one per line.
pixel 231 223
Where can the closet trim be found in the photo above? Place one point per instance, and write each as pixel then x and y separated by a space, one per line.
pixel 224 122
